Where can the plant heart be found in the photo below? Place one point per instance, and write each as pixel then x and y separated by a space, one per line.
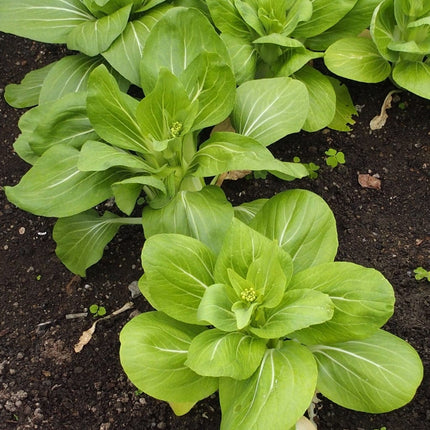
pixel 267 320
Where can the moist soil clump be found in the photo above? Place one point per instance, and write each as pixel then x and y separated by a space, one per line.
pixel 46 385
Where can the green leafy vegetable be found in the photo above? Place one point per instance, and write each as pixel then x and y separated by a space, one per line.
pixel 268 319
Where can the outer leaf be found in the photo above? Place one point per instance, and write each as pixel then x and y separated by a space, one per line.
pixel 298 309
pixel 225 151
pixel 70 74
pixel 210 82
pixel 153 351
pixel 303 225
pixel 345 108
pixel 375 375
pixel 125 53
pixel 269 109
pixel 217 353
pixel 55 187
pixel 178 270
pixel 352 24
pixel 322 98
pixel 112 113
pixel 94 37
pixel 81 238
pixel 325 14
pixel 358 59
pixel 204 215
pixel 363 299
pixel 48 21
pixel 177 39
pixel 65 122
pixel 285 381
pixel 414 77
pixel 26 94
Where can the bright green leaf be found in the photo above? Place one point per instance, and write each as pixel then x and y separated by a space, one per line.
pixel 217 353
pixel 178 270
pixel 376 374
pixel 153 352
pixel 303 225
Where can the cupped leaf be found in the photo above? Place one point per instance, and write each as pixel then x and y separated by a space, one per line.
pixel 26 93
pixel 209 81
pixel 216 307
pixel 352 24
pixel 217 353
pixel 414 76
pixel 95 36
pixel 48 21
pixel 269 109
pixel 376 374
pixel 242 246
pixel 285 381
pixel 81 239
pixel 125 53
pixel 70 74
pixel 298 309
pixel 175 41
pixel 227 18
pixel 325 14
pixel 322 98
pixel 65 122
pixel 243 56
pixel 153 352
pixel 178 270
pixel 167 112
pixel 225 151
pixel 363 300
pixel 113 113
pixel 55 187
pixel 382 29
pixel 357 58
pixel 294 59
pixel 205 215
pixel 345 108
pixel 303 225
pixel 127 191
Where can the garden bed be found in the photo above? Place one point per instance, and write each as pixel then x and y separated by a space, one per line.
pixel 46 385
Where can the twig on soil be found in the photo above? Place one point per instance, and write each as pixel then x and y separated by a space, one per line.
pixel 87 334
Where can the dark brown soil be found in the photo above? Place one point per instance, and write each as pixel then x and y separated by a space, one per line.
pixel 46 385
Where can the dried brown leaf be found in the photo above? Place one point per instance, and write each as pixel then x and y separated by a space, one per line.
pixel 379 120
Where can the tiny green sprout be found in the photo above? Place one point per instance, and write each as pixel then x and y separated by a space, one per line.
pixel 313 170
pixel 402 105
pixel 38 277
pixel 97 311
pixel 296 159
pixel 421 273
pixel 334 157
pixel 138 392
pixel 382 428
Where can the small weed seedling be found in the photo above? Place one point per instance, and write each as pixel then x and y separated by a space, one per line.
pixel 421 273
pixel 334 157
pixel 312 168
pixel 97 311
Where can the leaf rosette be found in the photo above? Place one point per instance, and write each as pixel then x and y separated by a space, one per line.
pixel 271 317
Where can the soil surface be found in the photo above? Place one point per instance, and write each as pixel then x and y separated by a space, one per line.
pixel 46 385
